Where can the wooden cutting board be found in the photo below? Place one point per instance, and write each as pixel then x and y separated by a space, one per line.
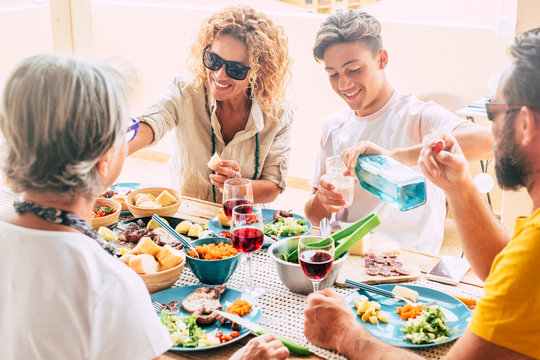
pixel 354 269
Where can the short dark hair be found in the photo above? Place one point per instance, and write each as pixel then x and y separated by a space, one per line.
pixel 522 83
pixel 345 27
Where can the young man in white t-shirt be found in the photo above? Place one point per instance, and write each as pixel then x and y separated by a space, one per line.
pixel 379 120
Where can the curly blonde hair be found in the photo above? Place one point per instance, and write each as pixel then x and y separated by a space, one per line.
pixel 267 48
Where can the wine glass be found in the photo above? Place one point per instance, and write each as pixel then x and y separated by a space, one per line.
pixel 335 167
pixel 236 191
pixel 247 228
pixel 315 255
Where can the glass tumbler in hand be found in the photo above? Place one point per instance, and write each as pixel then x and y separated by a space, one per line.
pixel 335 167
pixel 247 227
pixel 236 191
pixel 315 255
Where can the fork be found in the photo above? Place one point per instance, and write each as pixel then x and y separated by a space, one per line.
pixel 376 290
pixel 158 306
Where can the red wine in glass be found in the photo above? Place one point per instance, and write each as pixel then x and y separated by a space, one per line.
pixel 316 264
pixel 247 240
pixel 229 205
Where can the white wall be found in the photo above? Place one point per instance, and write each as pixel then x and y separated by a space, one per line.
pixel 424 58
pixel 26 31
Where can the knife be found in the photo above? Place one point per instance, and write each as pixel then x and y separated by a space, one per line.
pixel 259 330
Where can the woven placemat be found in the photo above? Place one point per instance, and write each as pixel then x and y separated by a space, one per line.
pixel 283 311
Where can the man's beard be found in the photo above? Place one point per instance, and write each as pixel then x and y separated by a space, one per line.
pixel 511 166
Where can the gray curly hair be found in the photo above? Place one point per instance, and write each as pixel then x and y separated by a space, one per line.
pixel 348 26
pixel 59 116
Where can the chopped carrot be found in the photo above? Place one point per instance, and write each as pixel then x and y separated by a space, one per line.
pixel 239 307
pixel 214 251
pixel 410 311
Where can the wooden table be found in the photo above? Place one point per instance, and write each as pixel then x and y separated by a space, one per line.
pixel 201 211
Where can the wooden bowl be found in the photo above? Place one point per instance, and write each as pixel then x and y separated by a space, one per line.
pixel 109 219
pixel 155 191
pixel 163 279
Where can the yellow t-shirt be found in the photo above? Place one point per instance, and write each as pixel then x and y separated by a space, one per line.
pixel 509 313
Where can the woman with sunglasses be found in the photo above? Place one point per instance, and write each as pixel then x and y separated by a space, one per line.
pixel 63 295
pixel 235 107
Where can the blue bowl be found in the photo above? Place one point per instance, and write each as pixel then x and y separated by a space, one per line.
pixel 213 272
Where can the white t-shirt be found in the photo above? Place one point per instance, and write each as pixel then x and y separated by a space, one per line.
pixel 402 122
pixel 63 297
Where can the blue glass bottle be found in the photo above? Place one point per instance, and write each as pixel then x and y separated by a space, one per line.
pixel 391 181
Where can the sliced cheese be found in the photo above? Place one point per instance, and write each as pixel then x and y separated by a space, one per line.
pixel 169 257
pixel 147 246
pixel 166 198
pixel 214 160
pixel 405 293
pixel 143 264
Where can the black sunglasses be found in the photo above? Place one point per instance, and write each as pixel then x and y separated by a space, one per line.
pixel 494 107
pixel 233 69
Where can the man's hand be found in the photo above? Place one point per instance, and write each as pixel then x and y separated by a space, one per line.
pixel 363 147
pixel 328 318
pixel 329 197
pixel 265 347
pixel 443 164
pixel 225 169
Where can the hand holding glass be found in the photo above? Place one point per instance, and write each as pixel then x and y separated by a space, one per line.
pixel 335 167
pixel 236 191
pixel 247 228
pixel 316 255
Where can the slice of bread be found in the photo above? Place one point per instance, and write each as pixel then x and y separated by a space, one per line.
pixel 166 198
pixel 143 197
pixel 149 204
pixel 214 161
pixel 143 264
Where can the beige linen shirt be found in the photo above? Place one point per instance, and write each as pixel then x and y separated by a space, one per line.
pixel 185 108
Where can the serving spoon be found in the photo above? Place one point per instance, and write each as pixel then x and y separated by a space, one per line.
pixel 176 235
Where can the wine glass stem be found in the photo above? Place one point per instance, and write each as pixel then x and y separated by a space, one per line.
pixel 315 285
pixel 249 281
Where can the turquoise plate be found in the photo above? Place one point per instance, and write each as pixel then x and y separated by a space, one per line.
pixel 457 314
pixel 268 215
pixel 230 295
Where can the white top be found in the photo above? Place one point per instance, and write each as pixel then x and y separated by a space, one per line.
pixel 63 297
pixel 402 122
pixel 184 107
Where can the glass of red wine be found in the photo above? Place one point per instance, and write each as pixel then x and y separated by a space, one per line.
pixel 315 255
pixel 236 191
pixel 247 228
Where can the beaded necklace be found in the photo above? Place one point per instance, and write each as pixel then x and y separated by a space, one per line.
pixel 256 159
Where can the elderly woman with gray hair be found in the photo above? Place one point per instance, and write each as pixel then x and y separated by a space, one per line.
pixel 62 293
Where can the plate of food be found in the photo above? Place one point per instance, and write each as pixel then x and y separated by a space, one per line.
pixel 414 326
pixel 131 231
pixel 191 329
pixel 278 224
pixel 119 191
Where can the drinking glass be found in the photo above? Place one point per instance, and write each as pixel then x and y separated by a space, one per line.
pixel 335 167
pixel 315 255
pixel 247 228
pixel 236 191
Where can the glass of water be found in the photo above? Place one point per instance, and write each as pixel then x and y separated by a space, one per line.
pixel 335 167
